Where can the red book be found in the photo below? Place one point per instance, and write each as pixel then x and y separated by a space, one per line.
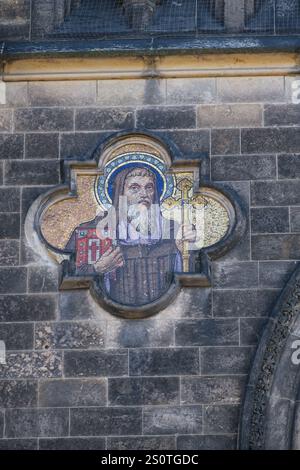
pixel 89 247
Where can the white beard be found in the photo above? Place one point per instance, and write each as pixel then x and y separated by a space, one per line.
pixel 143 223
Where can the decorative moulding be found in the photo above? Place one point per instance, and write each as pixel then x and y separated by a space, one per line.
pixel 271 412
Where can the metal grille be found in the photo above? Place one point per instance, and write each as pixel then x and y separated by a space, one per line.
pixel 77 19
pixel 275 17
pixel 104 18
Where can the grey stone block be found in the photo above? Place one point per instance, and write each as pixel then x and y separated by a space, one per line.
pixel 9 226
pixel 67 335
pixel 276 247
pixel 72 392
pixel 16 94
pixel 191 143
pixel 250 89
pixel 131 92
pixel 270 140
pixel 241 188
pixel 228 442
pixel 295 423
pixel 241 251
pixel 93 119
pixel 9 252
pixel 41 146
pixel 29 195
pixel 270 220
pixel 221 419
pixel 96 363
pixel 251 330
pixel 295 219
pixel 18 393
pixel 27 308
pixel 73 443
pixel 32 172
pixel 172 420
pixel 141 443
pixel 140 333
pixel 62 93
pixel 27 254
pixel 31 365
pixel 237 275
pixel 225 141
pixel 207 332
pixel 173 117
pixel 18 444
pixel 289 91
pixel 5 120
pixel 44 119
pixel 231 115
pixel 243 168
pixel 228 360
pixel 280 408
pixel 1 172
pixel 106 421
pixel 70 306
pixel 289 166
pixel 17 335
pixel 1 423
pixel 190 303
pixel 11 146
pixel 282 115
pixel 135 391
pixel 80 143
pixel 9 199
pixel 37 423
pixel 275 274
pixel 191 91
pixel 13 280
pixel 244 303
pixel 275 193
pixel 212 390
pixel 43 279
pixel 163 361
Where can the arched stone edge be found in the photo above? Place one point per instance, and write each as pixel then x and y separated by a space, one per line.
pixel 268 412
pixel 204 257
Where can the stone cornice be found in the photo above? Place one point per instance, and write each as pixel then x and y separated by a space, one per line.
pixel 149 46
pixel 149 58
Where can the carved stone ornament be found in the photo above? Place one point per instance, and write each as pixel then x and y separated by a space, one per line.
pixel 132 224
pixel 271 414
pixel 139 12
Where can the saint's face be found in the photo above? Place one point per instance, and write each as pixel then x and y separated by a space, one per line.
pixel 139 190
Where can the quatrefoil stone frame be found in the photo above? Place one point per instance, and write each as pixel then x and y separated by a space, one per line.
pixel 63 207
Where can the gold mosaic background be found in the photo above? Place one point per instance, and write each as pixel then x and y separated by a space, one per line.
pixel 62 217
pixel 216 219
pixel 216 222
pixel 128 148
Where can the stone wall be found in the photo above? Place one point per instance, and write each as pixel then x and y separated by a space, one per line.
pixel 78 377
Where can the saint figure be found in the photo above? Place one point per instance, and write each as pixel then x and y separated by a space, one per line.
pixel 137 264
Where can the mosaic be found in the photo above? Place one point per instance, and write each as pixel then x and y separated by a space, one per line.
pixel 134 223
